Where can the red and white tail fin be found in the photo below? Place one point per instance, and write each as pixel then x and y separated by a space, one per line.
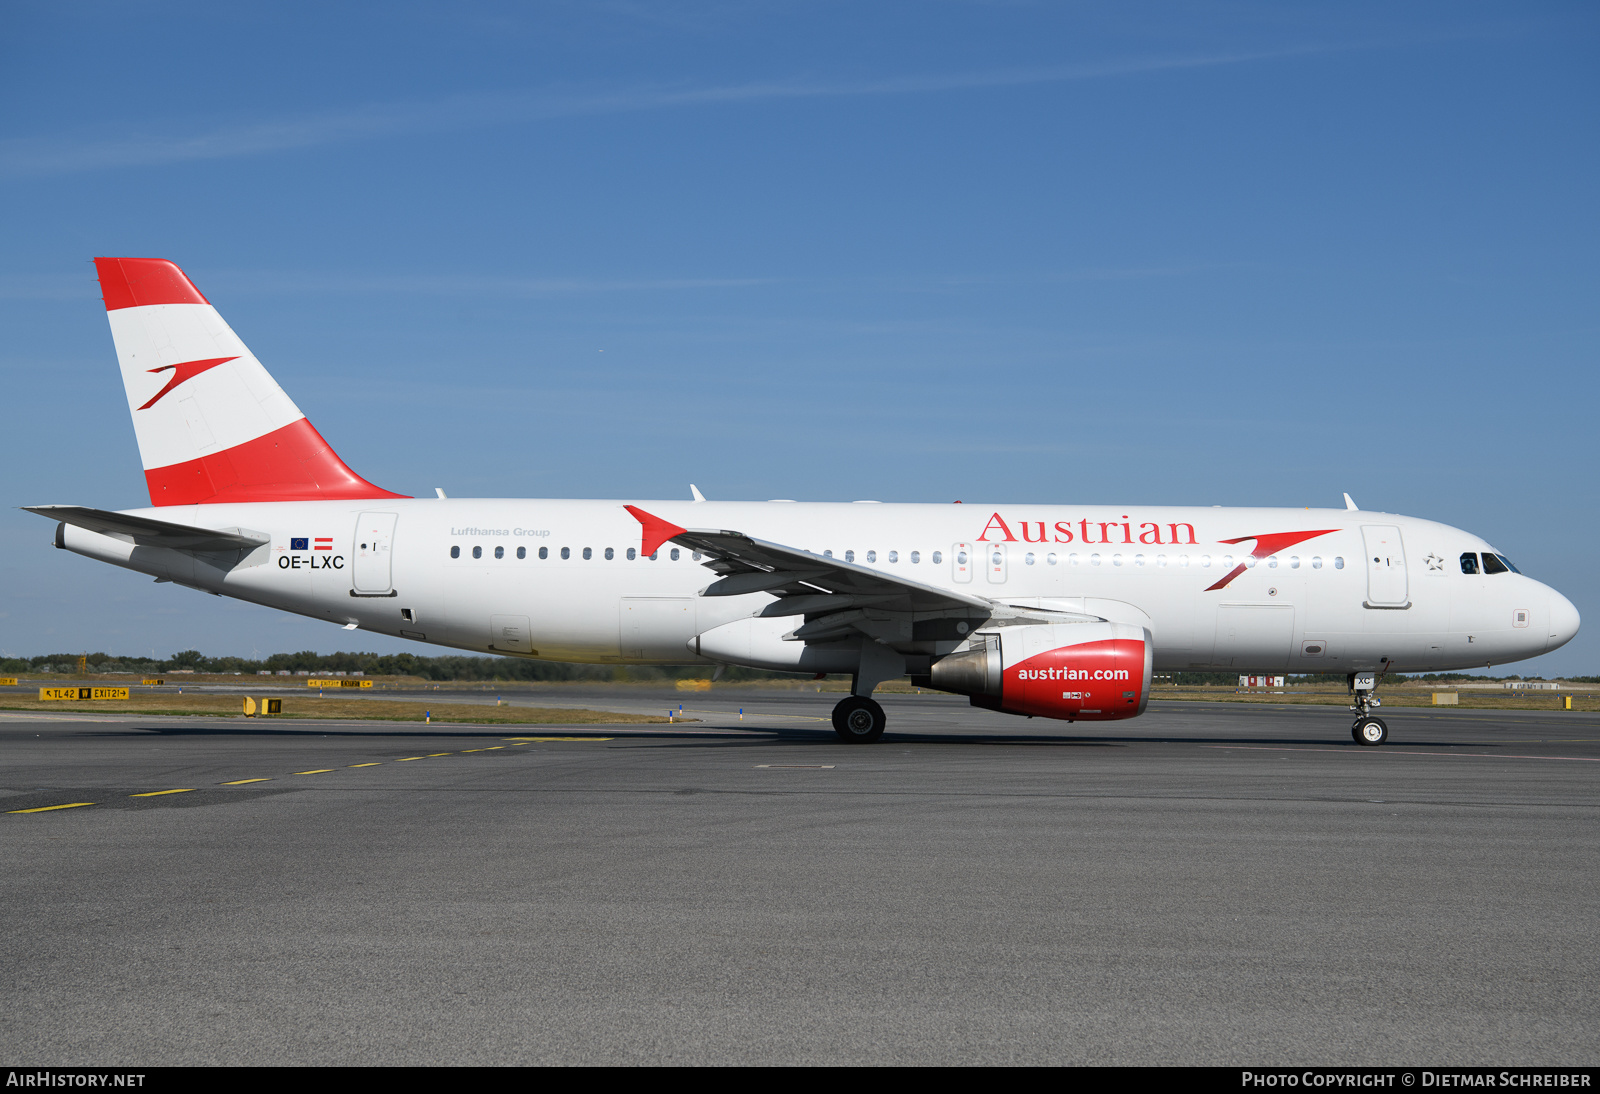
pixel 212 424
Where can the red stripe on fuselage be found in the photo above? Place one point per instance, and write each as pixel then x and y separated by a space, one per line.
pixel 289 464
pixel 1269 544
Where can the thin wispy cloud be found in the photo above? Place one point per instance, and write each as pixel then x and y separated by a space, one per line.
pixel 300 283
pixel 47 287
pixel 445 285
pixel 22 157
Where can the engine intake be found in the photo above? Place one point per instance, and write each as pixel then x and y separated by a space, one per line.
pixel 1073 671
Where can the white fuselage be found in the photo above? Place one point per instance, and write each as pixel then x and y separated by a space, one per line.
pixel 468 573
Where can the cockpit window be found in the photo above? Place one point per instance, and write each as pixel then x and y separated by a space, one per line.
pixel 1493 565
pixel 1469 563
pixel 1508 564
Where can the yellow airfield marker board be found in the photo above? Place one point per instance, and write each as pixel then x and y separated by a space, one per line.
pixel 75 695
pixel 152 683
pixel 8 681
pixel 338 683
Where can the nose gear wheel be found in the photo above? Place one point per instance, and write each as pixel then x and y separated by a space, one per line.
pixel 1369 731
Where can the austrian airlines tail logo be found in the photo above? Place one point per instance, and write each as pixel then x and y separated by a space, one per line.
pixel 1266 545
pixel 188 370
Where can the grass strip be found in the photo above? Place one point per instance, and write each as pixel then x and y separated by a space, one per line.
pixel 313 708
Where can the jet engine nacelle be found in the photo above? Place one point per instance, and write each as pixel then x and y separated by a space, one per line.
pixel 1075 671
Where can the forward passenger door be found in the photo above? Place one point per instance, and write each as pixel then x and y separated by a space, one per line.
pixel 1386 567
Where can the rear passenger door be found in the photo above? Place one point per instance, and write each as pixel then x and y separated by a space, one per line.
pixel 372 571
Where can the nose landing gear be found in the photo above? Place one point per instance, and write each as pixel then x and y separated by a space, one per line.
pixel 1368 729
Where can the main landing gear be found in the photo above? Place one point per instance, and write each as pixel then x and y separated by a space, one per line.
pixel 1367 729
pixel 858 720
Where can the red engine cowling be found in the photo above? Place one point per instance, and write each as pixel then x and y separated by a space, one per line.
pixel 1075 671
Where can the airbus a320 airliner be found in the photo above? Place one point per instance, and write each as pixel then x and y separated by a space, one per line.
pixel 1054 611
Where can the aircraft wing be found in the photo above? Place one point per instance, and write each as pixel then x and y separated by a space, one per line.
pixel 833 595
pixel 146 532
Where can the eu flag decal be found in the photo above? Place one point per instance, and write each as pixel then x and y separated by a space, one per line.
pixel 298 544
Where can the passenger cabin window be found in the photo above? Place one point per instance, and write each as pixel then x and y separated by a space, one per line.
pixel 544 552
pixel 1469 562
pixel 610 554
pixel 1493 564
pixel 916 557
pixel 522 552
pixel 588 553
pixel 566 552
pixel 455 552
pixel 849 556
pixel 937 557
pixel 674 555
pixel 872 556
pixel 499 552
pixel 632 554
pixel 477 552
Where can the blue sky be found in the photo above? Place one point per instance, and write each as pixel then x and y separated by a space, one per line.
pixel 1230 253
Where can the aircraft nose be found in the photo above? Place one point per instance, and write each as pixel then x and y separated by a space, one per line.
pixel 1564 621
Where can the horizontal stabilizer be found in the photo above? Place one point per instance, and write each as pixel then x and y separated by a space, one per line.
pixel 149 533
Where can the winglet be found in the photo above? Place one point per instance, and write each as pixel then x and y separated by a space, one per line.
pixel 656 530
pixel 1349 503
